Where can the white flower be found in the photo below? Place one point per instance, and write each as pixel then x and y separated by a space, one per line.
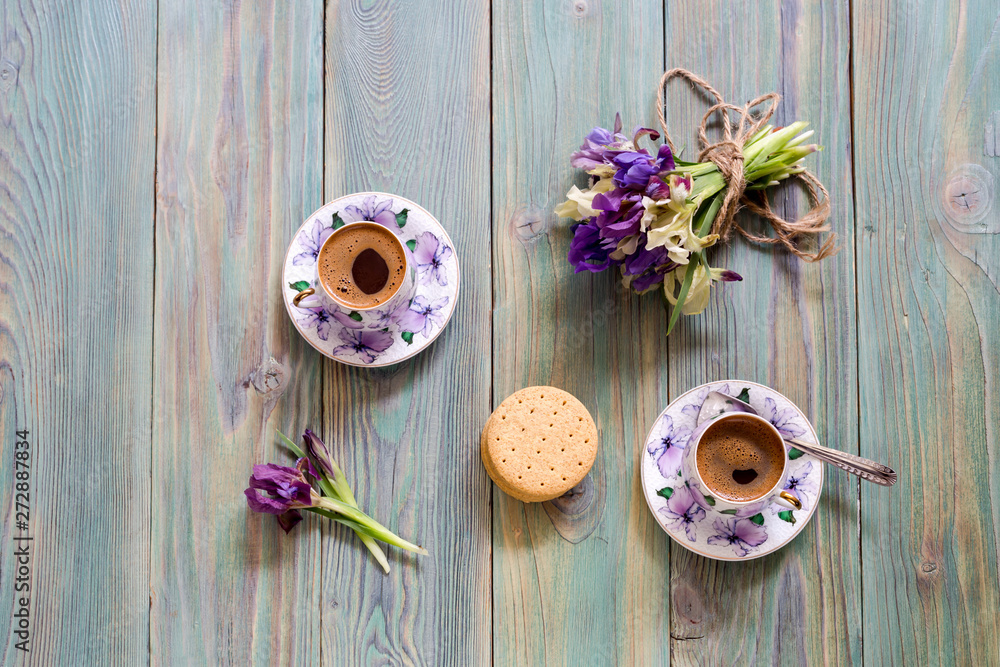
pixel 701 286
pixel 669 222
pixel 579 203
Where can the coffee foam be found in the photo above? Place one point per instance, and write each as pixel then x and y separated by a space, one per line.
pixel 740 444
pixel 337 257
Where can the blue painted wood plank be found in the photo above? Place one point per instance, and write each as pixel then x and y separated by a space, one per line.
pixel 77 100
pixel 239 167
pixel 407 111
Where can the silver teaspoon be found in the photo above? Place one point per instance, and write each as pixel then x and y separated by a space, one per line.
pixel 717 403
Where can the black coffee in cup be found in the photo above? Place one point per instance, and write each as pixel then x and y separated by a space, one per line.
pixel 362 264
pixel 740 458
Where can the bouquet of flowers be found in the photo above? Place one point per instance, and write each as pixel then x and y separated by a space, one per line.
pixel 653 216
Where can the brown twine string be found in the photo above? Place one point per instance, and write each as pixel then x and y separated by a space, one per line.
pixel 727 154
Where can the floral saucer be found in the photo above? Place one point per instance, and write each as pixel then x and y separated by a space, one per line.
pixel 377 338
pixel 727 535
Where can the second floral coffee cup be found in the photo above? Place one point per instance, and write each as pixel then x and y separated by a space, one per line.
pixel 362 266
pixel 738 464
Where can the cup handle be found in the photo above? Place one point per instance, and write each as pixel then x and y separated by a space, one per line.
pixel 795 503
pixel 297 299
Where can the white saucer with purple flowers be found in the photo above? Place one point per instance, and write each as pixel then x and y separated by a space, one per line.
pixel 376 337
pixel 689 517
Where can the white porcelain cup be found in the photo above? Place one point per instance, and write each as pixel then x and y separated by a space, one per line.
pixel 714 500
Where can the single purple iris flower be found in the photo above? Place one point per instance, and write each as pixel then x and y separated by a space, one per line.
pixel 741 534
pixel 636 168
pixel 285 490
pixel 588 251
pixel 599 146
pixel 423 315
pixel 365 344
pixel 728 276
pixel 669 447
pixel 802 485
pixel 318 318
pixel 430 255
pixel 620 213
pixel 683 512
pixel 312 241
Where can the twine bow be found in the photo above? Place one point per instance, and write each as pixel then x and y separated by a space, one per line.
pixel 727 154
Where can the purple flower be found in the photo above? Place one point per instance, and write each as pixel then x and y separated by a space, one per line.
pixel 669 447
pixel 598 146
pixel 312 241
pixel 430 255
pixel 346 320
pixel 693 409
pixel 784 420
pixel 646 268
pixel 284 491
pixel 384 318
pixel 365 344
pixel 422 316
pixel 372 211
pixel 620 213
pixel 801 485
pixel 683 511
pixel 588 251
pixel 318 318
pixel 741 534
pixel 318 451
pixel 636 168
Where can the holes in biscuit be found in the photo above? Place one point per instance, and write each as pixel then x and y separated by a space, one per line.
pixel 543 395
pixel 580 419
pixel 564 402
pixel 519 477
pixel 581 462
pixel 586 441
pixel 538 451
pixel 503 460
pixel 564 479
pixel 531 411
pixel 542 484
pixel 529 467
pixel 543 439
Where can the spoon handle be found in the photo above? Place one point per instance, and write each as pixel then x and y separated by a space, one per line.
pixel 852 463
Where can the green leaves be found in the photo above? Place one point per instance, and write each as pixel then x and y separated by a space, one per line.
pixel 666 492
pixel 401 217
pixel 354 315
pixel 758 519
pixel 407 336
pixel 337 222
pixel 794 454
pixel 411 244
pixel 786 515
pixel 710 500
pixel 299 285
pixel 744 395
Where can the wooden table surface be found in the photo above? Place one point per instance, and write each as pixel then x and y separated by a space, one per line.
pixel 156 158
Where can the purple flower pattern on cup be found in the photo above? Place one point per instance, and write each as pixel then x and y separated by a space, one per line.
pixel 430 256
pixel 742 535
pixel 783 420
pixel 669 447
pixel 311 241
pixel 747 531
pixel 371 210
pixel 683 512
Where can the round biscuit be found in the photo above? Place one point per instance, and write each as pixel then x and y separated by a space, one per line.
pixel 539 443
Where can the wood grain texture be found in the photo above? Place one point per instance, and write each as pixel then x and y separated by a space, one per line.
pixel 77 103
pixel 927 82
pixel 407 111
pixel 789 325
pixel 239 159
pixel 583 580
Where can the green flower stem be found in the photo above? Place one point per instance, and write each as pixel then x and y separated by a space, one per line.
pixel 675 314
pixel 372 527
pixel 337 493
pixel 366 539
